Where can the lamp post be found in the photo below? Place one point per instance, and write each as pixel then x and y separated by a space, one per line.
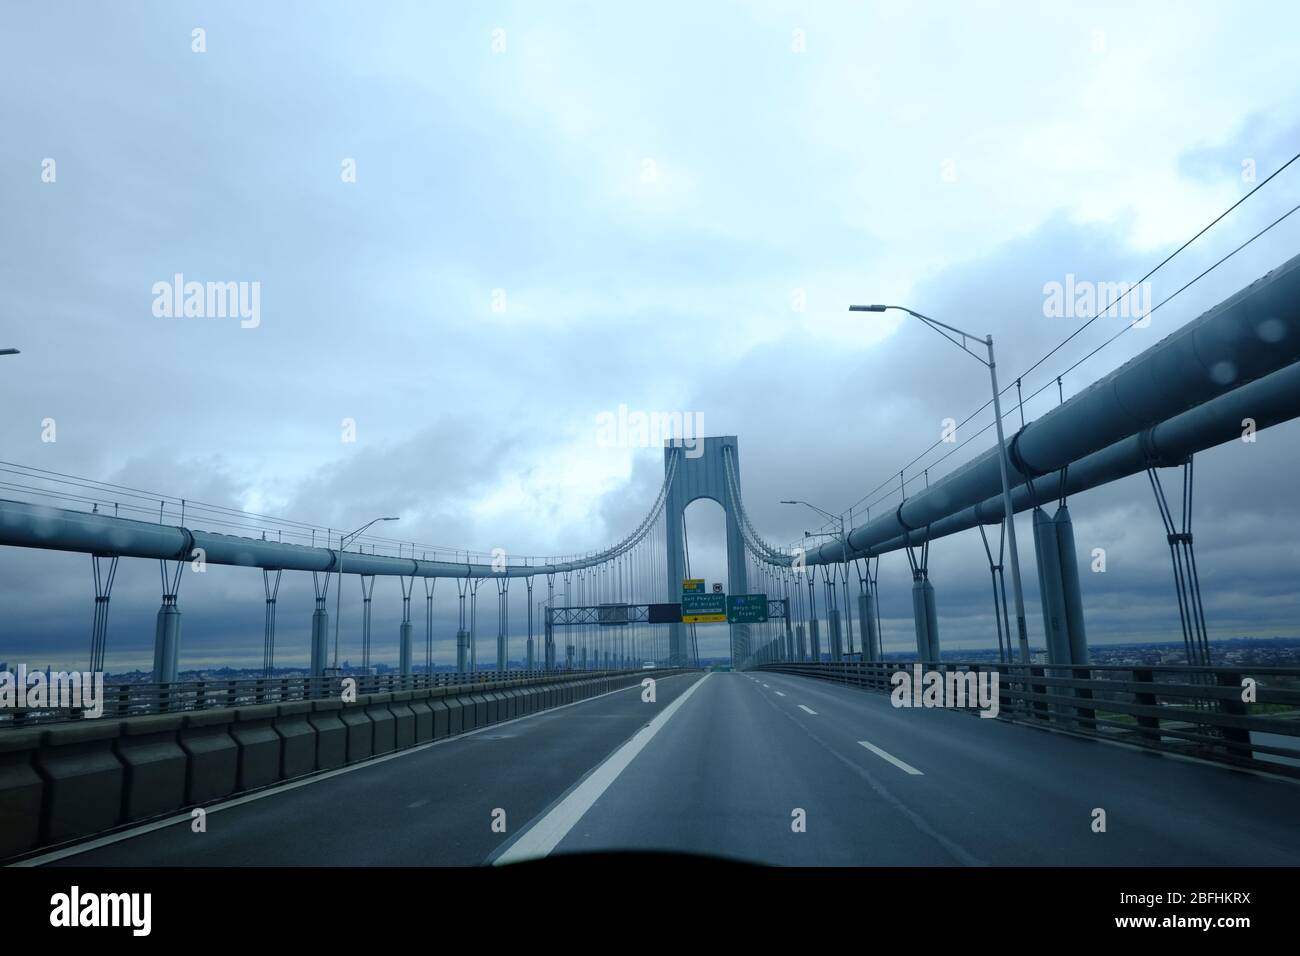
pixel 544 604
pixel 844 565
pixel 338 594
pixel 1008 514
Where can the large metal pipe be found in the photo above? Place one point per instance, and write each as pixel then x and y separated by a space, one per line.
pixel 870 635
pixel 320 641
pixel 1070 586
pixel 167 644
pixel 1047 549
pixel 1241 340
pixel 833 627
pixel 1267 401
pixel 41 526
pixel 918 619
pixel 404 648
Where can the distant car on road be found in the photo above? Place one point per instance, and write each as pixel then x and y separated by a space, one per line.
pixel 648 666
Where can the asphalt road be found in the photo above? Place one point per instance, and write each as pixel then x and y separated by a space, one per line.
pixel 428 806
pixel 727 765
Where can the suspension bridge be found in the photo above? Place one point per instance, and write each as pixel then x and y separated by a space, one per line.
pixel 609 735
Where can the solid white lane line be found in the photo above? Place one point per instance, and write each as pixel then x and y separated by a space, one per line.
pixel 545 835
pixel 905 767
pixel 808 709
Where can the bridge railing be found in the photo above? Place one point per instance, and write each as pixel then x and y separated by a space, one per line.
pixel 138 699
pixel 1238 714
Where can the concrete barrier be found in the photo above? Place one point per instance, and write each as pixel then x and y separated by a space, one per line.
pixel 21 792
pixel 361 734
pixel 458 715
pixel 213 766
pixel 84 779
pixel 471 718
pixel 297 739
pixel 403 719
pixel 419 704
pixel 385 726
pixel 155 766
pixel 259 745
pixel 495 705
pixel 468 712
pixel 441 715
pixel 480 705
pixel 331 734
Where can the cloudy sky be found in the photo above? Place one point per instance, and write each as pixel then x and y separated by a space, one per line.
pixel 475 230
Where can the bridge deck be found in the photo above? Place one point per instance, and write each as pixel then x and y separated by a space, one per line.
pixel 723 774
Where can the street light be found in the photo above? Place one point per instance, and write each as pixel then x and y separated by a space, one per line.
pixel 844 566
pixel 546 603
pixel 828 516
pixel 338 595
pixel 1009 515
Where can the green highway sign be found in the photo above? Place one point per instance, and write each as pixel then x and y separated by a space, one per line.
pixel 747 608
pixel 700 607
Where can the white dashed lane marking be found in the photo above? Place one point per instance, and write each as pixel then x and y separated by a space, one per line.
pixel 905 767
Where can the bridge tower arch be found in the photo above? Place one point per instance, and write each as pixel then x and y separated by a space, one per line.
pixel 701 473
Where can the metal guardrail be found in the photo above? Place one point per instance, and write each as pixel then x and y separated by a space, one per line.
pixel 1199 711
pixel 135 700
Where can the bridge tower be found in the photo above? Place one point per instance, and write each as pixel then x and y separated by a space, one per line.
pixel 701 473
